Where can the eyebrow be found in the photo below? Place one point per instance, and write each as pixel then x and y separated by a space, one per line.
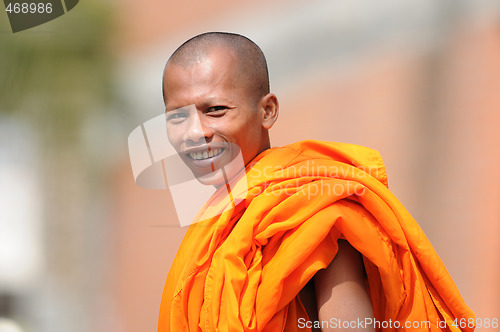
pixel 176 108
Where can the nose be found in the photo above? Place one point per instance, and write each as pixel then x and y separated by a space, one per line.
pixel 197 131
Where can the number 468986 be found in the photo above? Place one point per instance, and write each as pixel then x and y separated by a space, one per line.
pixel 26 7
pixel 476 322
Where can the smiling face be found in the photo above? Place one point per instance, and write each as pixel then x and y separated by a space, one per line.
pixel 227 114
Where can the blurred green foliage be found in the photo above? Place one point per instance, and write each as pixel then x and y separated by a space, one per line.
pixel 58 73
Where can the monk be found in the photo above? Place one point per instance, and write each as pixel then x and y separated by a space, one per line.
pixel 316 241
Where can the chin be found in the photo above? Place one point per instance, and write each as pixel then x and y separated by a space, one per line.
pixel 222 175
pixel 215 179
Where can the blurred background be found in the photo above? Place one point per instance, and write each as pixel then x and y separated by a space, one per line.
pixel 82 248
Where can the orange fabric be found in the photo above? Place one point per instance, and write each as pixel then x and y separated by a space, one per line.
pixel 243 270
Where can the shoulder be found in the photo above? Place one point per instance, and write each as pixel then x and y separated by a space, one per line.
pixel 364 158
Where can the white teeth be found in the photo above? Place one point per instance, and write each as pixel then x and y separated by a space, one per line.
pixel 205 155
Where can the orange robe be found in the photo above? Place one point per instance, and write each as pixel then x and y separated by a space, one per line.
pixel 243 269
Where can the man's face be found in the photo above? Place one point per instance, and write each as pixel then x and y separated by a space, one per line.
pixel 225 115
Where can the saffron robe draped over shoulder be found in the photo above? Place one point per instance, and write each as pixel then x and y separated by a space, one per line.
pixel 243 269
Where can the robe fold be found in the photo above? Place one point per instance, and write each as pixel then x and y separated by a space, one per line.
pixel 242 270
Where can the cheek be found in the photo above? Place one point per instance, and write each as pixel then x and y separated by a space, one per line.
pixel 174 137
pixel 249 143
pixel 242 130
pixel 242 135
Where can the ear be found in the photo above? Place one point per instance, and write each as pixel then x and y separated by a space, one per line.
pixel 270 106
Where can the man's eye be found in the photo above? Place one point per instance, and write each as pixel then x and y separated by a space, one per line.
pixel 216 110
pixel 176 117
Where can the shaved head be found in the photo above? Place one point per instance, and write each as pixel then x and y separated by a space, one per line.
pixel 252 65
